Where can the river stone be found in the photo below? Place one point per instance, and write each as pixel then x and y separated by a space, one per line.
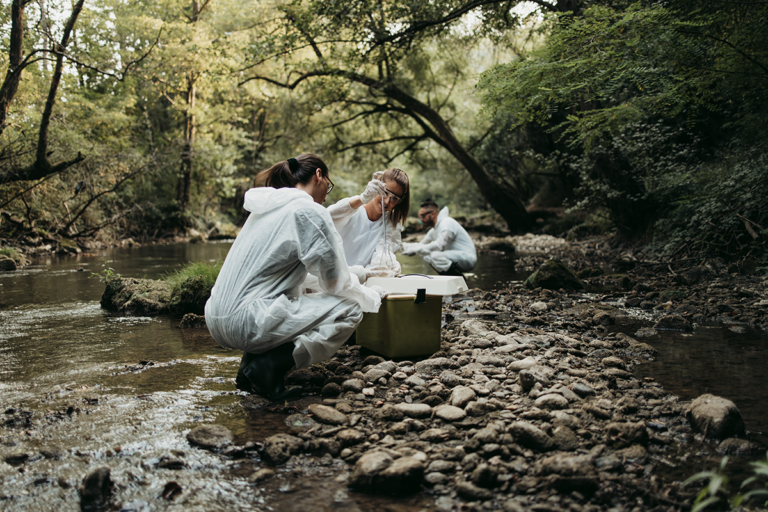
pixel 331 389
pixel 508 349
pixel 435 478
pixel 489 360
pixel 479 407
pixel 261 475
pixel 367 467
pixel 641 349
pixel 475 327
pixel 432 366
pixel 299 422
pixel 450 379
pixel 328 415
pixel 566 465
pixel 635 453
pixel 551 401
pixel 646 332
pixel 569 395
pixel 539 306
pixel 449 413
pixel 414 410
pixel 485 475
pixel 96 490
pixel 715 417
pixel 192 321
pixel 375 374
pixel 470 491
pixel 434 435
pixel 574 473
pixel 604 318
pixel 461 396
pixel 522 364
pixel 741 447
pixel 7 264
pixel 531 436
pixel 354 385
pixel 350 437
pixel 403 475
pixel 529 378
pixel 210 437
pixel 553 275
pixel 387 366
pixel 621 435
pixel 673 323
pixel 280 447
pixel 613 362
pixel 16 459
pixel 414 381
pixel 481 343
pixel 441 466
pixel 389 412
pixel 565 439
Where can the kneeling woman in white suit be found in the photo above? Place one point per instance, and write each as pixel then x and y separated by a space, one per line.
pixel 257 304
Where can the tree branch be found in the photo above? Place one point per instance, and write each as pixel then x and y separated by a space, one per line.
pixel 382 141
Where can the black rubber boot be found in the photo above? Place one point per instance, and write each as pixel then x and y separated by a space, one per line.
pixel 264 374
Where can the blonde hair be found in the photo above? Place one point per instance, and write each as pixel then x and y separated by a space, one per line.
pixel 400 212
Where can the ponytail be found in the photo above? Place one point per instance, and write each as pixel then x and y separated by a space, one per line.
pixel 291 172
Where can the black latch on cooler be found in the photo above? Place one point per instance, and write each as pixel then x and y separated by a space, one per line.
pixel 421 296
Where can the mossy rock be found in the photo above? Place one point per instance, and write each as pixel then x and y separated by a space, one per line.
pixel 190 297
pixel 7 264
pixel 137 296
pixel 553 275
pixel 67 246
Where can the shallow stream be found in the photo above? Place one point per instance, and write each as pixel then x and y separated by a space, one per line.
pixel 83 388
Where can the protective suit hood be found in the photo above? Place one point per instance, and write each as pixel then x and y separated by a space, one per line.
pixel 265 199
pixel 442 215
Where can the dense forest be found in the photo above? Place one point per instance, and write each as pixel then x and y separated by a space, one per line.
pixel 146 118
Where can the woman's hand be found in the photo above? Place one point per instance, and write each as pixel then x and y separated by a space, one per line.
pixel 373 189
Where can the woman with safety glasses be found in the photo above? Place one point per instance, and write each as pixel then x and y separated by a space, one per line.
pixel 370 224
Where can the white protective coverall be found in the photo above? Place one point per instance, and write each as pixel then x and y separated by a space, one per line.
pixel 364 242
pixel 257 302
pixel 445 244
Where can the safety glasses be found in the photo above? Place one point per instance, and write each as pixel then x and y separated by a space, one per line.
pixel 392 197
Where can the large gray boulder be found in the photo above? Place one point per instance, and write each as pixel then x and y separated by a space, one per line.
pixel 138 296
pixel 553 275
pixel 715 417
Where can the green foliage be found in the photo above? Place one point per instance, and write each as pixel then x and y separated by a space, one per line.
pixel 208 271
pixel 107 274
pixel 715 486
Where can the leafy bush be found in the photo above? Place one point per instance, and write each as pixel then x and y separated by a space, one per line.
pixel 715 489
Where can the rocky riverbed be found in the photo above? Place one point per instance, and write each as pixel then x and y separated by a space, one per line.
pixel 532 403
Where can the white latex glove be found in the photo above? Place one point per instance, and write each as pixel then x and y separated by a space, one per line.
pixel 380 271
pixel 373 189
pixel 381 291
pixel 360 272
pixel 410 249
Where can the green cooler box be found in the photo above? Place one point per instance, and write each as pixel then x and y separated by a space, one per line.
pixel 408 322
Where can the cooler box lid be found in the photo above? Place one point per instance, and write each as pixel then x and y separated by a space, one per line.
pixel 409 283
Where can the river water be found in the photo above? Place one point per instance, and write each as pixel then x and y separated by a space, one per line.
pixel 83 388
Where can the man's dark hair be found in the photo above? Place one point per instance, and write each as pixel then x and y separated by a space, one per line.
pixel 430 204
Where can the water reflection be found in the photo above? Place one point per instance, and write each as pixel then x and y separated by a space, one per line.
pixel 713 360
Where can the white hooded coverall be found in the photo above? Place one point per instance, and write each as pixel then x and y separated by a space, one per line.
pixel 448 243
pixel 364 242
pixel 258 301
